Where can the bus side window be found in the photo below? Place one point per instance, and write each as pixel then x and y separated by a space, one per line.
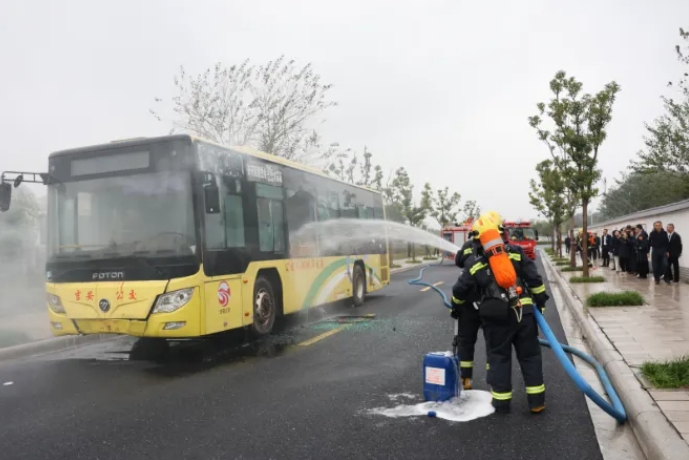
pixel 234 221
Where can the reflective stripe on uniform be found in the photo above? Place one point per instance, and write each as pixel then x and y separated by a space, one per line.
pixel 466 364
pixel 467 251
pixel 526 301
pixel 457 301
pixel 492 243
pixel 476 267
pixel 515 257
pixel 501 396
pixel 535 390
pixel 487 366
pixel 538 289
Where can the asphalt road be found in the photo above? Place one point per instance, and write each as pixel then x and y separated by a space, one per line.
pixel 282 400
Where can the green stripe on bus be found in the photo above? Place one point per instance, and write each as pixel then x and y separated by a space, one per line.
pixel 322 277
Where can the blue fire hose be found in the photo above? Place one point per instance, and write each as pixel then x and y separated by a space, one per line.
pixel 615 410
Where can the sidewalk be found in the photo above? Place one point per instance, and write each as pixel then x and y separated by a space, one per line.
pixel 404 266
pixel 657 331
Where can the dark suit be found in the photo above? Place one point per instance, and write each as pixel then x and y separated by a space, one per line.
pixel 606 241
pixel 675 251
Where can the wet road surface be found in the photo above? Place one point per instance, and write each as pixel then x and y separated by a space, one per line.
pixel 304 394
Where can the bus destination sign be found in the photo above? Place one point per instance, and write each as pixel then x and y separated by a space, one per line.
pixel 261 172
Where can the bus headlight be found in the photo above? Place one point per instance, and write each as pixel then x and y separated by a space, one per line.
pixel 173 301
pixel 55 303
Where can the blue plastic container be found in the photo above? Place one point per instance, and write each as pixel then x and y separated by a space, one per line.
pixel 440 376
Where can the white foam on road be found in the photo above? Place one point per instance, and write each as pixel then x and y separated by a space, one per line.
pixel 6 384
pixel 470 405
pixel 397 396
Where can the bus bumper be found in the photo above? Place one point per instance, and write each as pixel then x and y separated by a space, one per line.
pixel 167 325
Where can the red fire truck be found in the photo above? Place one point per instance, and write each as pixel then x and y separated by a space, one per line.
pixel 521 233
pixel 457 235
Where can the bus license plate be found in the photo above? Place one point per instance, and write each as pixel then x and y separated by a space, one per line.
pixel 108 326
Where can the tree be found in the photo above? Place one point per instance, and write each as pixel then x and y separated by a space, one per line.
pixel 638 191
pixel 551 199
pixel 400 196
pixel 667 139
pixel 580 123
pixel 18 224
pixel 544 227
pixel 442 205
pixel 346 166
pixel 472 210
pixel 271 107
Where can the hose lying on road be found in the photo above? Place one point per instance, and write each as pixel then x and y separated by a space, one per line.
pixel 615 410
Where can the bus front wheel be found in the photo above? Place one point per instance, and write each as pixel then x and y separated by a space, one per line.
pixel 265 307
pixel 358 285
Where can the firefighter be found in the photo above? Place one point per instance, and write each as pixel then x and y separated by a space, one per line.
pixel 467 315
pixel 511 287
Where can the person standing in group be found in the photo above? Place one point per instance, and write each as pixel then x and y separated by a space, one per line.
pixel 674 252
pixel 567 244
pixel 614 250
pixel 605 245
pixel 659 242
pixel 631 238
pixel 642 255
pixel 596 246
pixel 623 252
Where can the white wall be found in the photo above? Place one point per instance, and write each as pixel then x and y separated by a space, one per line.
pixel 646 218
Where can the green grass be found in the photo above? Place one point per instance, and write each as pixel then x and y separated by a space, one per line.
pixel 587 279
pixel 615 299
pixel 395 266
pixel 670 374
pixel 549 251
pixel 571 269
pixel 561 262
pixel 413 261
pixel 430 258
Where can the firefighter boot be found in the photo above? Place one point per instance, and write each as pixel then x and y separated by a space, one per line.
pixel 466 383
pixel 538 409
pixel 501 401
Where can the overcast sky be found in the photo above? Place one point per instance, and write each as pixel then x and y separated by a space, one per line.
pixel 441 87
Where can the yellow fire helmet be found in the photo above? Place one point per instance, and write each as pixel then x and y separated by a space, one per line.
pixel 485 222
pixel 475 229
pixel 496 217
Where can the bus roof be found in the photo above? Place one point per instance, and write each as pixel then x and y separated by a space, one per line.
pixel 240 149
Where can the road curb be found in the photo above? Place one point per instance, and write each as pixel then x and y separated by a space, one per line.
pixel 411 267
pixel 46 346
pixel 655 434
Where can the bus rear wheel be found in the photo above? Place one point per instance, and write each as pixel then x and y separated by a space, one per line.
pixel 358 285
pixel 265 307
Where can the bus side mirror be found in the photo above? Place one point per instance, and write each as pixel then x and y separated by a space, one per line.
pixel 211 198
pixel 5 196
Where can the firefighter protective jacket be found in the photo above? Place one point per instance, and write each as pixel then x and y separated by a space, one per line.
pixel 468 249
pixel 477 275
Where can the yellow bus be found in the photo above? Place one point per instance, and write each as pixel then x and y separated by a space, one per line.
pixel 176 237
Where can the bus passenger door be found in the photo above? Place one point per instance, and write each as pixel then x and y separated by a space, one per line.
pixel 224 241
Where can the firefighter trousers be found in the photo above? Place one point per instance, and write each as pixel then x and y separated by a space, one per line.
pixel 501 336
pixel 469 324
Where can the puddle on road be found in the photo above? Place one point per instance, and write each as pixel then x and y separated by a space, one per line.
pixel 470 405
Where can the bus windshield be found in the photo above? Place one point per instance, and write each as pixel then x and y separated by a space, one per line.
pixel 148 214
pixel 521 234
